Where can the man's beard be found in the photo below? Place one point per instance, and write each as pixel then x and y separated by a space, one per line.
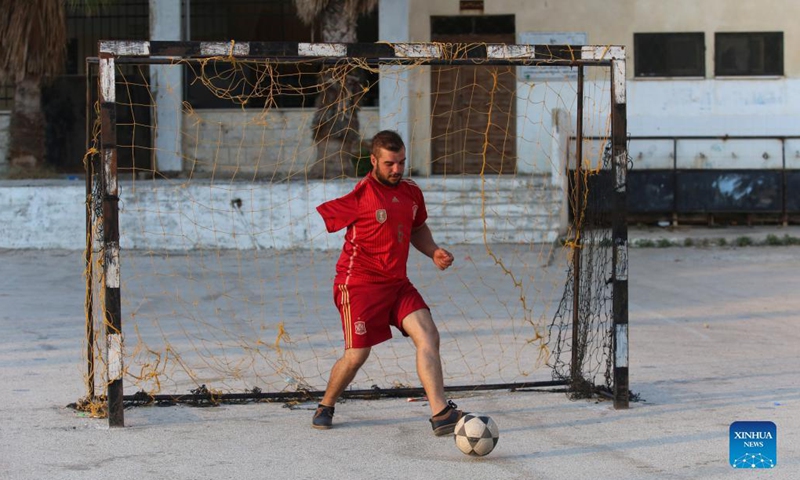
pixel 388 180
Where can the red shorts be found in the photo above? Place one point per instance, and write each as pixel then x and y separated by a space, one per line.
pixel 369 310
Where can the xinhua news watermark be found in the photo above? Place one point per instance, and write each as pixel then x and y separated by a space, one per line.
pixel 753 445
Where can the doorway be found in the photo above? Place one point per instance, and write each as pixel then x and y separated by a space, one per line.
pixel 473 109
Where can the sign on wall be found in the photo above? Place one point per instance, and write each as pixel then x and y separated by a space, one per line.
pixel 550 38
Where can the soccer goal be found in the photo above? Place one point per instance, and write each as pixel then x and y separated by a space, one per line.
pixel 209 272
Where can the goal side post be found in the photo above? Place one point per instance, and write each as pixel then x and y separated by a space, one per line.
pixel 619 227
pixel 110 256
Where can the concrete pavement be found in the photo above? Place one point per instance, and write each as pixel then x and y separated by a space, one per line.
pixel 713 340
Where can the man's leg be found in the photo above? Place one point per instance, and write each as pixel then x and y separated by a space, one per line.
pixel 343 373
pixel 420 327
pixel 423 332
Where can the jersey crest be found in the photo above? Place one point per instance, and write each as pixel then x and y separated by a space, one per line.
pixel 380 215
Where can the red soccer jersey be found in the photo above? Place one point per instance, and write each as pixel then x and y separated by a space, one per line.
pixel 379 220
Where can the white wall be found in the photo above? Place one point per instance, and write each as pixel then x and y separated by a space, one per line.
pixel 714 107
pixel 42 214
pixel 165 81
pixel 395 101
pixel 183 215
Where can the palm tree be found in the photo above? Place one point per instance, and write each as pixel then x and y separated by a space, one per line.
pixel 34 36
pixel 335 125
pixel 34 45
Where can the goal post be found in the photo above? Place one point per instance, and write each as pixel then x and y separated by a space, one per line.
pixel 227 265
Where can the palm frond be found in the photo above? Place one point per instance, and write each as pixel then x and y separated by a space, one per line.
pixel 33 33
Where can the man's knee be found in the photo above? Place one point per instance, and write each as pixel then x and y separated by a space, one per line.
pixel 420 327
pixel 431 334
pixel 435 337
pixel 354 358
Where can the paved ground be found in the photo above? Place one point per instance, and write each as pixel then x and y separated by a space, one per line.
pixel 713 340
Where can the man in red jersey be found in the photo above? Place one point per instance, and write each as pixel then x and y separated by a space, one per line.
pixel 384 215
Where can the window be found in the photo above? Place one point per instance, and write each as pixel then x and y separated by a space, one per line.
pixel 262 21
pixel 669 54
pixel 473 25
pixel 748 53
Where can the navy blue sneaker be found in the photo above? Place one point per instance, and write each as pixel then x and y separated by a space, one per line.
pixel 323 417
pixel 444 423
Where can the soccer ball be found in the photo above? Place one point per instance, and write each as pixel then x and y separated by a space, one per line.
pixel 476 434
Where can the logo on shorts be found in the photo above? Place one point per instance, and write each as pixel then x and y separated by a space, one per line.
pixel 380 215
pixel 361 328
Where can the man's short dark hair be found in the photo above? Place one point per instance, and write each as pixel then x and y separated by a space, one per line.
pixel 388 139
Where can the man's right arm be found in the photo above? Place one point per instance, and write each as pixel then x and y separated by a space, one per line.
pixel 340 212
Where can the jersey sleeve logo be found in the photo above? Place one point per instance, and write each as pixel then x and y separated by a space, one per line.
pixel 414 212
pixel 380 215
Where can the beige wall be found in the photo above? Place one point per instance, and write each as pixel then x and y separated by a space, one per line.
pixel 708 106
pixel 615 21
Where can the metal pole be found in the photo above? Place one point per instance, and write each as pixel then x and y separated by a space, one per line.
pixel 89 272
pixel 142 398
pixel 784 186
pixel 187 20
pixel 674 182
pixel 577 220
pixel 111 273
pixel 619 231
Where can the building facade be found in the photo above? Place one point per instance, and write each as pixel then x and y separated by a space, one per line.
pixel 711 86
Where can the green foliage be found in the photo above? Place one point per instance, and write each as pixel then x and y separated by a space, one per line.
pixel 744 242
pixel 361 163
pixel 776 241
pixel 773 240
pixel 663 243
pixel 787 240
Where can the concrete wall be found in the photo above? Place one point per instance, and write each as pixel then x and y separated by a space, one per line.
pixel 714 107
pixel 273 144
pixel 42 214
pixel 173 215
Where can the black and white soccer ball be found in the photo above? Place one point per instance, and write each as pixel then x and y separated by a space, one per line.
pixel 476 434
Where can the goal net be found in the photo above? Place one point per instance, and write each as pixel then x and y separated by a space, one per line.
pixel 209 271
